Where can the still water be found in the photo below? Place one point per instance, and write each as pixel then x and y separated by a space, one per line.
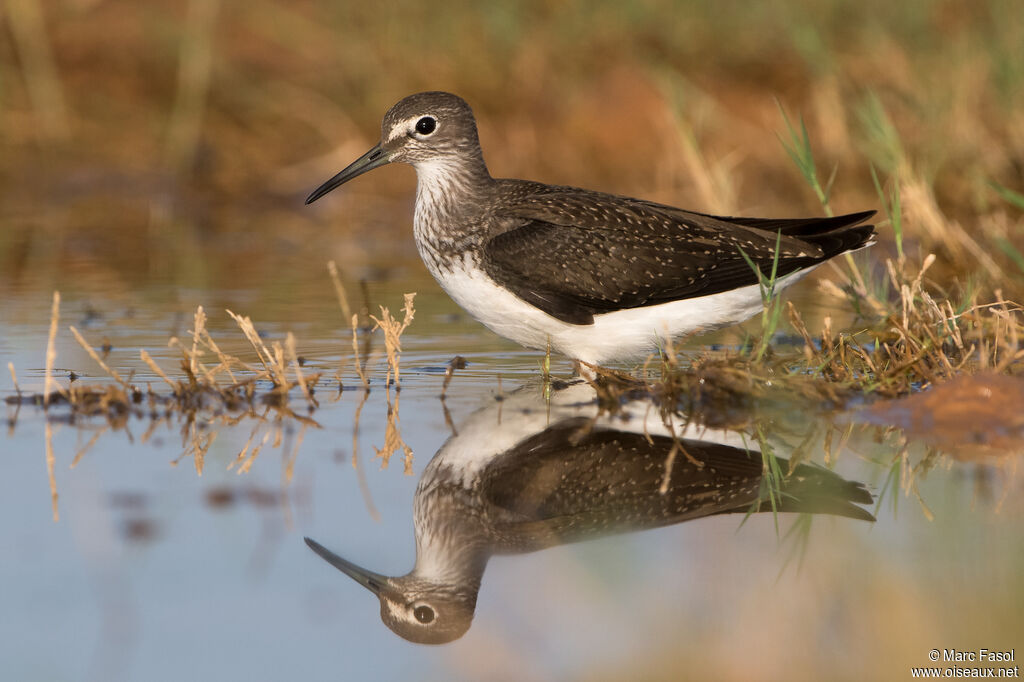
pixel 539 540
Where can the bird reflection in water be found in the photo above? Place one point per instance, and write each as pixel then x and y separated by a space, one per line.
pixel 535 476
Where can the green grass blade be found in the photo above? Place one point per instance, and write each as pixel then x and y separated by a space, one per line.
pixel 798 146
pixel 1010 196
pixel 1011 251
pixel 892 206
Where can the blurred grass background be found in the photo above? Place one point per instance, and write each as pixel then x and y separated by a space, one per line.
pixel 148 137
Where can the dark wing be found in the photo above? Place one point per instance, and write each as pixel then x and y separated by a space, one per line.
pixel 570 483
pixel 574 254
pixel 560 486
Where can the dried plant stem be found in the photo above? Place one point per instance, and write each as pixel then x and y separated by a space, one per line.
pixel 457 362
pixel 50 459
pixel 670 461
pixel 51 350
pixel 156 369
pixel 240 457
pixel 14 378
pixel 87 447
pixel 95 356
pixel 448 417
pixel 225 360
pixel 198 327
pixel 198 401
pixel 364 487
pixel 355 352
pixel 339 291
pixel 545 368
pixel 247 464
pixel 289 467
pixel 393 439
pixel 199 449
pixel 289 343
pixel 262 352
pixel 393 335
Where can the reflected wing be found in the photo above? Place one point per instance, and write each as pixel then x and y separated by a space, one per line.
pixel 569 483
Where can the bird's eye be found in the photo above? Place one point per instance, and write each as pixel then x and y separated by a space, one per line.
pixel 424 614
pixel 425 126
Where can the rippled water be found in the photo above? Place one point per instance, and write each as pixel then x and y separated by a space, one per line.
pixel 156 572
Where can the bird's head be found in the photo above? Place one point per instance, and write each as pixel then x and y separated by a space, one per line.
pixel 422 129
pixel 416 609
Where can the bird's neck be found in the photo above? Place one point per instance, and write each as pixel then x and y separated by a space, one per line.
pixel 454 558
pixel 453 544
pixel 451 193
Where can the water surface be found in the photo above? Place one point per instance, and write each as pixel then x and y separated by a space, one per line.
pixel 156 572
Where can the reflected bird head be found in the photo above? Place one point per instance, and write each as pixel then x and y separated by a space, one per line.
pixel 416 609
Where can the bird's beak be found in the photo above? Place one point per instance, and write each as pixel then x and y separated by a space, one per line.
pixel 374 582
pixel 374 158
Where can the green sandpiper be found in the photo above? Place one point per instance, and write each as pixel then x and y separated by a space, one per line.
pixel 594 276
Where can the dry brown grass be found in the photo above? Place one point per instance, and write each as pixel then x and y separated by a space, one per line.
pixel 393 330
pixel 214 389
pixel 204 395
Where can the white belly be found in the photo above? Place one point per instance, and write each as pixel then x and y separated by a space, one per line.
pixel 621 335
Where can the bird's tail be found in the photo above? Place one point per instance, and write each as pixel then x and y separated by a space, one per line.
pixel 816 490
pixel 833 235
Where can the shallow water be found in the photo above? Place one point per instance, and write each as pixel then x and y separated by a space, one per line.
pixel 156 572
